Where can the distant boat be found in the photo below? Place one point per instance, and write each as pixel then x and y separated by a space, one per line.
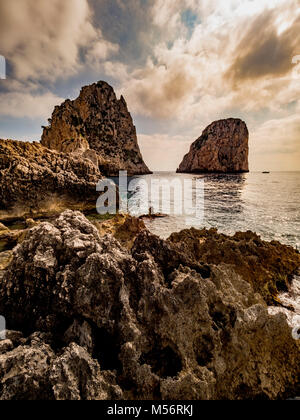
pixel 266 172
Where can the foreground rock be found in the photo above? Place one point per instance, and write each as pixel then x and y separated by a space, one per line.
pixel 222 148
pixel 31 370
pixel 268 266
pixel 99 127
pixel 149 322
pixel 34 178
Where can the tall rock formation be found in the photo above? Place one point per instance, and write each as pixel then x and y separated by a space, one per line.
pixel 222 148
pixel 34 177
pixel 98 126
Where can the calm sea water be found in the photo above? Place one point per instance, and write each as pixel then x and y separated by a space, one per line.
pixel 268 204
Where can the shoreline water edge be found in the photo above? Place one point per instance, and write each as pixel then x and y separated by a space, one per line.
pixel 104 309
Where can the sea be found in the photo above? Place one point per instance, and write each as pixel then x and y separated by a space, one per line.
pixel 265 203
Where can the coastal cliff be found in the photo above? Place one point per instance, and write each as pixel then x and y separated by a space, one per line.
pixel 145 319
pixel 34 178
pixel 222 148
pixel 99 127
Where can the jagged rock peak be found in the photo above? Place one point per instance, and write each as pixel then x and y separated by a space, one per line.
pixel 98 126
pixel 222 148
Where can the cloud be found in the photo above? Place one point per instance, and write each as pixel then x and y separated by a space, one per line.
pixel 263 52
pixel 26 104
pixel 155 149
pixel 99 52
pixel 275 144
pixel 128 24
pixel 179 63
pixel 44 40
pixel 159 91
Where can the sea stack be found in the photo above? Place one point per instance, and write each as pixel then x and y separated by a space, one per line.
pixel 97 126
pixel 222 148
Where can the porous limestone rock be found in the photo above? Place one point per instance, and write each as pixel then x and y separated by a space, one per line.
pixel 33 371
pixel 76 376
pixel 268 266
pixel 148 323
pixel 123 227
pixel 33 177
pixel 222 148
pixel 99 127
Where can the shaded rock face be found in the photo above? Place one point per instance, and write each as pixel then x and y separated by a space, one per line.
pixel 145 323
pixel 268 267
pixel 98 126
pixel 31 370
pixel 34 177
pixel 222 148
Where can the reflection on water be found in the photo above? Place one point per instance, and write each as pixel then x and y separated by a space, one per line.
pixel 268 204
pixel 224 194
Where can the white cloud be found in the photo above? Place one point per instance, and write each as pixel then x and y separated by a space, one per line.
pixel 28 105
pixel 184 83
pixel 43 39
pixel 187 80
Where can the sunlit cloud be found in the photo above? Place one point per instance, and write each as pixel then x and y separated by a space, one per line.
pixel 44 39
pixel 180 64
pixel 22 104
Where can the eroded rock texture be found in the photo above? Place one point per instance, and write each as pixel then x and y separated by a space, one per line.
pixel 222 148
pixel 149 322
pixel 33 177
pixel 268 266
pixel 98 126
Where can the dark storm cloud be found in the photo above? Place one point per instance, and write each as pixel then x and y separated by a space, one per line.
pixel 263 52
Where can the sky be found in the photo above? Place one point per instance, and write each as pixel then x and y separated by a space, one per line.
pixel 180 64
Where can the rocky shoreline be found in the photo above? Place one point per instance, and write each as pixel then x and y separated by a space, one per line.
pixel 107 310
pixel 103 309
pixel 34 179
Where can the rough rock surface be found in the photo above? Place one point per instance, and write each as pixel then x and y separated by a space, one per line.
pixel 139 324
pixel 98 126
pixel 33 177
pixel 222 148
pixel 268 266
pixel 123 227
pixel 33 371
